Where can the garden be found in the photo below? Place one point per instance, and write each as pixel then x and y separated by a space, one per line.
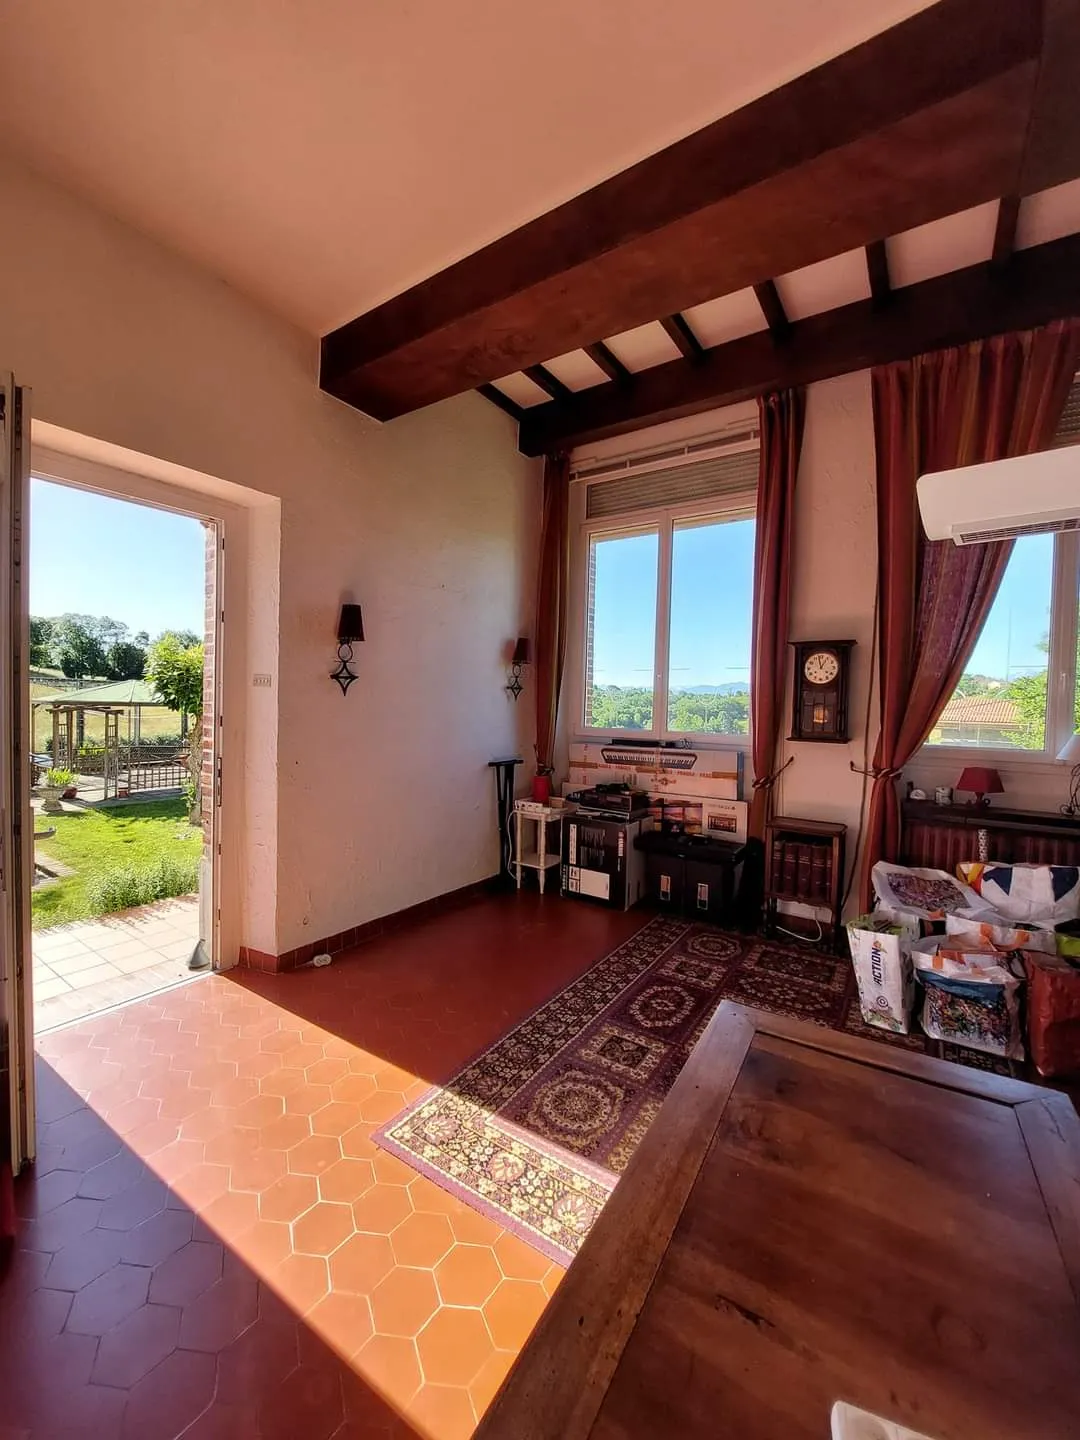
pixel 115 857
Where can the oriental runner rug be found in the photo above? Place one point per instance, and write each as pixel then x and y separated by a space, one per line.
pixel 537 1129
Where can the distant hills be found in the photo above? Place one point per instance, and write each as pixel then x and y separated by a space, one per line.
pixel 732 687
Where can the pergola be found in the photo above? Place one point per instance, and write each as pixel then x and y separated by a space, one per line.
pixel 121 698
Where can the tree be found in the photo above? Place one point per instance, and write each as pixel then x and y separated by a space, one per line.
pixel 184 638
pixel 41 639
pixel 77 650
pixel 1028 694
pixel 175 669
pixel 125 661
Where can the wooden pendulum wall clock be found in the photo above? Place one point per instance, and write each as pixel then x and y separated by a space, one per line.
pixel 819 708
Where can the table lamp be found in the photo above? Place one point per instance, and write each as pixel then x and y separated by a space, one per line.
pixel 980 781
pixel 1070 754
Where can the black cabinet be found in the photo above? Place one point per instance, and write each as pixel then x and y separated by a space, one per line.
pixel 692 874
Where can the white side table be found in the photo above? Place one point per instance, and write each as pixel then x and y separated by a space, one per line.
pixel 533 848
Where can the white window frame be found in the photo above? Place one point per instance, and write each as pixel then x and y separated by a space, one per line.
pixel 1061 676
pixel 742 506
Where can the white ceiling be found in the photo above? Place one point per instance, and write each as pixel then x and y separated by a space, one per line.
pixel 323 155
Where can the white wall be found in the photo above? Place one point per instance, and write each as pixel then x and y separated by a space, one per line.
pixel 384 796
pixel 835 566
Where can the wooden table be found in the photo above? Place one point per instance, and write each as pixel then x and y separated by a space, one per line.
pixel 812 1218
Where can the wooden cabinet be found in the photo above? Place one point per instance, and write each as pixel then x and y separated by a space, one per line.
pixel 804 861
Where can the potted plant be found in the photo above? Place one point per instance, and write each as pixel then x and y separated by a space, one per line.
pixel 55 784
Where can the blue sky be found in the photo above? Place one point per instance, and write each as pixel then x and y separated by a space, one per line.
pixel 97 556
pixel 712 576
pixel 1020 617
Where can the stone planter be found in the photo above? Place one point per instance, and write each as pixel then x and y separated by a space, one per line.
pixel 50 799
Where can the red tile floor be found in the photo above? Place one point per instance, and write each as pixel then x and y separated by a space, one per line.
pixel 212 1246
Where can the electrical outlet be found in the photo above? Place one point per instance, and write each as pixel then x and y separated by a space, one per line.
pixel 262 682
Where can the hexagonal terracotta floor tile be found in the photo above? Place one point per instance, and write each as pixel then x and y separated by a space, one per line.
pixel 285 1132
pixel 422 1239
pixel 382 1208
pixel 288 1198
pixel 512 1312
pixel 301 1281
pixel 136 1345
pixel 443 1410
pixel 453 1345
pixel 343 1321
pixel 377 1109
pixel 489 1377
pixel 468 1275
pixel 327 1071
pixel 186 1273
pixel 322 1228
pixel 314 1155
pixel 346 1180
pixel 358 1266
pixel 108 1300
pixel 353 1088
pixel 215 1318
pixel 404 1302
pixel 390 1364
pixel 519 1261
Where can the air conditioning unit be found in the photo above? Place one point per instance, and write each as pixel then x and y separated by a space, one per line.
pixel 1002 499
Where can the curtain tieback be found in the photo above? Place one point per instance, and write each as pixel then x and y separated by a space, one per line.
pixel 768 781
pixel 877 772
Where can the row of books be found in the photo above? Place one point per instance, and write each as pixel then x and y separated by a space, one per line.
pixel 802 869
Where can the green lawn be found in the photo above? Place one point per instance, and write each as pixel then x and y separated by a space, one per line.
pixel 120 855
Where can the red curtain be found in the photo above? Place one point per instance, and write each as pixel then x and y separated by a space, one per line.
pixel 552 599
pixel 986 401
pixel 782 415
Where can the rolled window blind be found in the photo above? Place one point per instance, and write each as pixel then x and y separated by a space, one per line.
pixel 1068 431
pixel 720 477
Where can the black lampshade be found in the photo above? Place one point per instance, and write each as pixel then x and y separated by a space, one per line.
pixel 351 625
pixel 521 651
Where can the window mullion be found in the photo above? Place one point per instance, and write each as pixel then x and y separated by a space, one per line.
pixel 1061 666
pixel 663 627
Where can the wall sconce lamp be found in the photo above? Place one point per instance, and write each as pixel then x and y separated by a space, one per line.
pixel 520 658
pixel 349 632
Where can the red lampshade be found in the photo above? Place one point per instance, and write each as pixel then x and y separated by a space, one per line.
pixel 980 780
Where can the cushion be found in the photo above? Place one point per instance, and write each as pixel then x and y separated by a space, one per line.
pixel 1046 893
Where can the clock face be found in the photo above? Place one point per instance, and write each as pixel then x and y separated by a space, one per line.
pixel 821 667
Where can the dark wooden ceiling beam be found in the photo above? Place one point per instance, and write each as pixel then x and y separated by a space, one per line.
pixel 679 332
pixel 1053 133
pixel 549 383
pixel 921 121
pixel 772 307
pixel 1005 230
pixel 877 268
pixel 602 355
pixel 504 403
pixel 1043 284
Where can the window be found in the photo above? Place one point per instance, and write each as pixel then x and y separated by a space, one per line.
pixel 667 602
pixel 1019 691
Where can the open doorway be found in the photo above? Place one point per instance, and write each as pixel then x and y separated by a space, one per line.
pixel 124 628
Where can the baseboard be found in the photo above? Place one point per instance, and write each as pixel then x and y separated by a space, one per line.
pixel 251 959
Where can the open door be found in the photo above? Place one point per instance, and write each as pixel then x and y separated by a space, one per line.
pixel 208 951
pixel 16 816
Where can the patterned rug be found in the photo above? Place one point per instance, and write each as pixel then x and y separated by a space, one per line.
pixel 537 1129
